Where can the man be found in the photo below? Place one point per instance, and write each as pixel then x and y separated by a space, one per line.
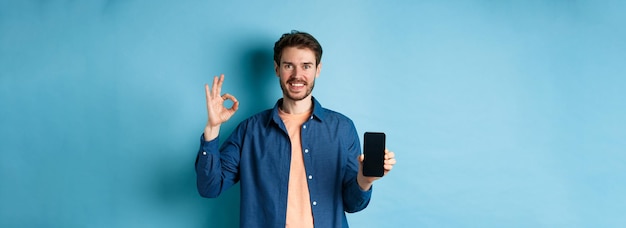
pixel 299 164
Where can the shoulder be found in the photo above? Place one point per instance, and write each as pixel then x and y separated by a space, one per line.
pixel 327 115
pixel 335 116
pixel 338 121
pixel 259 118
pixel 255 123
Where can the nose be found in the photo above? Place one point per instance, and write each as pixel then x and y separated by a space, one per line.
pixel 297 71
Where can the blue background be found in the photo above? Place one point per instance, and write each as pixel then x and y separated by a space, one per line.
pixel 501 113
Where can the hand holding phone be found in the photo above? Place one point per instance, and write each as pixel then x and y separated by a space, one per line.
pixel 374 154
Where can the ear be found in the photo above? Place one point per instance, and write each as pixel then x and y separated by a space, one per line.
pixel 276 69
pixel 319 69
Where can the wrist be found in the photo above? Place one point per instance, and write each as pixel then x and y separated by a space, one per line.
pixel 363 183
pixel 211 132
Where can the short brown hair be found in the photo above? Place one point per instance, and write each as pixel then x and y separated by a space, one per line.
pixel 300 40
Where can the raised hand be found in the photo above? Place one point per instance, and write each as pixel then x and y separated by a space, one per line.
pixel 217 113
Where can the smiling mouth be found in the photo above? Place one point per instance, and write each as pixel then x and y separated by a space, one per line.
pixel 296 83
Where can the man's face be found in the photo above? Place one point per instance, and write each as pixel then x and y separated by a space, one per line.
pixel 297 71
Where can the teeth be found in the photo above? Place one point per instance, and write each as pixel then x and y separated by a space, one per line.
pixel 297 84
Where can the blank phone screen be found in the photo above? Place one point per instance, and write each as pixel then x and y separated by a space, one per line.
pixel 374 151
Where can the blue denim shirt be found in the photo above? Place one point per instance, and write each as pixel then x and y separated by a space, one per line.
pixel 258 154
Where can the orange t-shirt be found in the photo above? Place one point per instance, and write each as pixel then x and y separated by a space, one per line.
pixel 298 202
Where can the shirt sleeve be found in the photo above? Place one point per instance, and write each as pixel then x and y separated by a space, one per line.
pixel 217 169
pixel 354 199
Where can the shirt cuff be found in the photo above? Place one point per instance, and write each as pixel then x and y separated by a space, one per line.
pixel 206 148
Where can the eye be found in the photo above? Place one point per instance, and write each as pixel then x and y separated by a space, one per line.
pixel 287 66
pixel 307 66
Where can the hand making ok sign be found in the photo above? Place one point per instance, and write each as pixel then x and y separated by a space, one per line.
pixel 217 113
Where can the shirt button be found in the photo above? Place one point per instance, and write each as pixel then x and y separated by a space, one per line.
pixel 310 177
pixel 203 152
pixel 306 150
pixel 304 126
pixel 314 203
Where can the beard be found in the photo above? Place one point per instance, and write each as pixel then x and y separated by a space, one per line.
pixel 297 97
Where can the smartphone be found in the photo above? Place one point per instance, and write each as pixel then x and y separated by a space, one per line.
pixel 374 151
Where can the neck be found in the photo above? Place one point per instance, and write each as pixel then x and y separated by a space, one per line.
pixel 297 107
